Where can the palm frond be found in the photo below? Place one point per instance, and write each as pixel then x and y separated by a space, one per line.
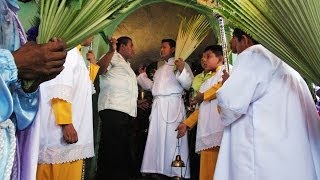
pixel 287 28
pixel 190 35
pixel 104 37
pixel 59 18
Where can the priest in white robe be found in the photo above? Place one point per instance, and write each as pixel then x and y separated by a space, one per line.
pixel 272 126
pixel 167 112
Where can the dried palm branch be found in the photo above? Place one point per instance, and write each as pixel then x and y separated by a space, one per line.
pixel 190 35
pixel 287 28
pixel 73 24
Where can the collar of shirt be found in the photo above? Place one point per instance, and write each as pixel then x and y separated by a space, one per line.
pixel 119 57
pixel 79 47
pixel 204 75
pixel 218 68
pixel 170 61
pixel 199 79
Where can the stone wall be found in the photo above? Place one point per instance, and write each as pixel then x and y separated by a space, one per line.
pixel 150 24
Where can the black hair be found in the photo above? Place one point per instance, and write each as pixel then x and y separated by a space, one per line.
pixel 239 33
pixel 172 43
pixel 216 49
pixel 122 40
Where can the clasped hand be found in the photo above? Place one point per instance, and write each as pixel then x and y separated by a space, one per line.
pixel 40 62
pixel 182 129
pixel 143 104
pixel 179 64
pixel 197 99
pixel 91 57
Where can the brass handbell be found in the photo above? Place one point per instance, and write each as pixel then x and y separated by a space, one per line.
pixel 178 162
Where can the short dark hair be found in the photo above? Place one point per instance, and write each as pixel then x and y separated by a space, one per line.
pixel 216 49
pixel 122 40
pixel 172 43
pixel 238 33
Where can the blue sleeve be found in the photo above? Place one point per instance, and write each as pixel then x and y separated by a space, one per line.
pixel 17 104
pixel 8 68
pixel 8 74
pixel 25 106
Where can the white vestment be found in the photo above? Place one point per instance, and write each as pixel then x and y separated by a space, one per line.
pixel 273 129
pixel 168 111
pixel 73 85
pixel 210 127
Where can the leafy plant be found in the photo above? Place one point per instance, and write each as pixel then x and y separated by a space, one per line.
pixel 287 28
pixel 63 19
pixel 190 35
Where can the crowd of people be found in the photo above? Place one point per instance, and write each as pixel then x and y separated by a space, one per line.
pixel 257 121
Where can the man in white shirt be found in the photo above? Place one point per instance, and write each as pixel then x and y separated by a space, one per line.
pixel 167 112
pixel 272 126
pixel 117 105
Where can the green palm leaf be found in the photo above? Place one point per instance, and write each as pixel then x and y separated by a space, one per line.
pixel 60 18
pixel 190 35
pixel 289 29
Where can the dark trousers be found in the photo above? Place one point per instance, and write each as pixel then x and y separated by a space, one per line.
pixel 114 160
pixel 194 157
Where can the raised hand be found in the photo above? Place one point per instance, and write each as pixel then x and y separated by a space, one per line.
pixel 142 69
pixel 112 44
pixel 179 64
pixel 225 76
pixel 91 57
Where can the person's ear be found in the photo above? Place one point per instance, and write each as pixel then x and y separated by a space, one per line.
pixel 121 46
pixel 245 39
pixel 220 58
pixel 248 41
pixel 172 50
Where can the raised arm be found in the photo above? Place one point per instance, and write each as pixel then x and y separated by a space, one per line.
pixel 106 59
pixel 143 80
pixel 184 74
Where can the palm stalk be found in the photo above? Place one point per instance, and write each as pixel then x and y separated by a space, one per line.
pixel 288 28
pixel 59 19
pixel 190 35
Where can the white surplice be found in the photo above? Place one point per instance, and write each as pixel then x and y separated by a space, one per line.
pixel 168 111
pixel 73 85
pixel 210 127
pixel 273 129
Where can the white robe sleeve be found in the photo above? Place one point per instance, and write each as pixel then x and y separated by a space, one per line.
pixel 144 82
pixel 62 85
pixel 185 78
pixel 246 84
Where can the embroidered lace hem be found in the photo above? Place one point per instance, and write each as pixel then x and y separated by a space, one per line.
pixel 58 155
pixel 209 141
